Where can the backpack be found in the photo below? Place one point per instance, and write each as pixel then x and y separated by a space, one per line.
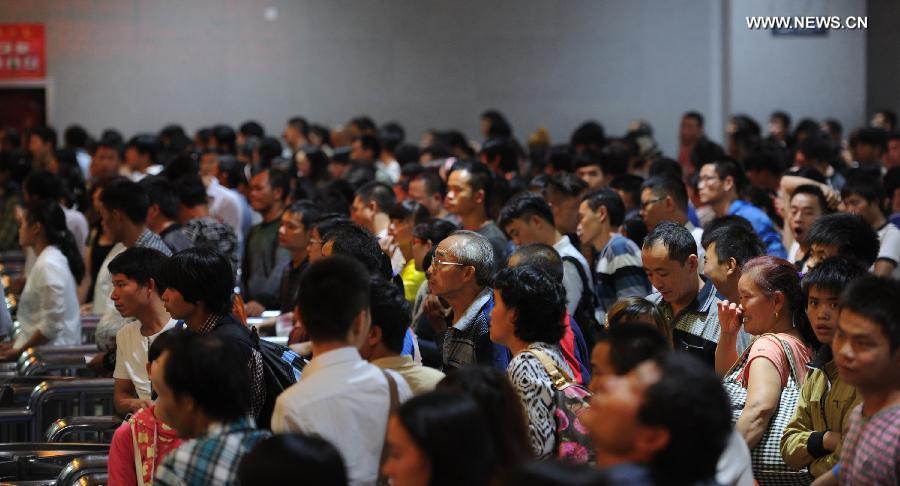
pixel 587 305
pixel 573 445
pixel 282 368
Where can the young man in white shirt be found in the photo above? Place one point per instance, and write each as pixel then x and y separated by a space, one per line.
pixel 136 294
pixel 342 398
pixel 863 195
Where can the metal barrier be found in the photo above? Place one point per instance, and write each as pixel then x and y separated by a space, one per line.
pixel 52 399
pixel 43 461
pixel 100 427
pixel 56 362
pixel 85 471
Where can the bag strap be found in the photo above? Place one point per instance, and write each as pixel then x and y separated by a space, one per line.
pixel 790 358
pixel 585 283
pixel 138 469
pixel 738 365
pixel 394 403
pixel 558 376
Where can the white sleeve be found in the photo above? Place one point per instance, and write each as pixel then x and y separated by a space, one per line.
pixel 53 305
pixel 890 246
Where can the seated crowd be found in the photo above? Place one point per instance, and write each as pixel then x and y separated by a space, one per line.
pixel 591 312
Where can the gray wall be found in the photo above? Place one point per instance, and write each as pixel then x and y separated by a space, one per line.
pixel 815 76
pixel 883 56
pixel 137 65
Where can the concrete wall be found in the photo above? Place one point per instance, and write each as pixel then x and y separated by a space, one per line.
pixel 883 56
pixel 137 65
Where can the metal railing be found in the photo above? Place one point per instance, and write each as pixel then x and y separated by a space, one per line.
pixel 85 471
pixel 40 462
pixel 52 399
pixel 101 428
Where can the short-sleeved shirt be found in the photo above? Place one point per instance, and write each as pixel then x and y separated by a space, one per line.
pixel 131 356
pixel 618 273
pixel 889 237
pixel 871 449
pixel 768 347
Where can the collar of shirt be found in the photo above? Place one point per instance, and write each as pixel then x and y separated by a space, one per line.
pixel 239 425
pixel 394 362
pixel 210 323
pixel 737 205
pixel 563 242
pixel 346 354
pixel 472 311
pixel 145 236
pixel 701 303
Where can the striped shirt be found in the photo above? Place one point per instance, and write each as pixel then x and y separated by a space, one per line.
pixel 618 272
pixel 871 448
pixel 696 327
pixel 213 458
pixel 149 239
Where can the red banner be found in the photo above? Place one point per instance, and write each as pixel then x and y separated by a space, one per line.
pixel 22 53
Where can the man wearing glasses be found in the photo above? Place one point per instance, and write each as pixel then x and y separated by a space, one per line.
pixel 666 199
pixel 460 273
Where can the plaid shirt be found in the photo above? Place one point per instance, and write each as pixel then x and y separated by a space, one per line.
pixel 257 379
pixel 696 328
pixel 871 448
pixel 469 341
pixel 618 272
pixel 218 236
pixel 149 239
pixel 213 458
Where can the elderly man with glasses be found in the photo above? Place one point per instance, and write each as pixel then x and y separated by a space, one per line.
pixel 460 274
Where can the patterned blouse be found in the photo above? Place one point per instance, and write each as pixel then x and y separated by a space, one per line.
pixel 535 389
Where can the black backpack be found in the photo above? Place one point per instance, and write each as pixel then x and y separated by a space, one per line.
pixel 587 305
pixel 281 367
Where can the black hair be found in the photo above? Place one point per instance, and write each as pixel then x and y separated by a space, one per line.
pixel 500 403
pixel 225 138
pixel 379 192
pixel 832 275
pixel 50 216
pixel 300 124
pixel 505 149
pixel 554 473
pixel 696 116
pixel 663 186
pixel 279 179
pixel 849 233
pixel 409 209
pixel 768 160
pixel 391 135
pixel 878 300
pixel 181 165
pixel 609 199
pixel 704 152
pixel 784 118
pixel 318 165
pixel 139 264
pixel 277 459
pixel 46 133
pixel 480 178
pixel 877 137
pixel 453 433
pixel 539 299
pixel 432 182
pixel 615 157
pixel 390 312
pixel 162 343
pixel 734 241
pixel 727 220
pixel 890 116
pixel 677 240
pixel 370 142
pixel 75 136
pixel 523 206
pixel 43 185
pixel 434 231
pixel 71 179
pixel 252 128
pixel 309 212
pixel 330 222
pixel 233 170
pixel 355 242
pixel 127 196
pixel 589 157
pixel 162 193
pixel 635 229
pixel 816 192
pixel 204 368
pixel 269 148
pixel 866 185
pixel 817 148
pixel 333 291
pixel 364 123
pixel 728 167
pixel 407 153
pixel 690 403
pixel 565 184
pixel 541 256
pixel 145 144
pixel 891 181
pixel 629 184
pixel 498 125
pixel 191 191
pixel 666 167
pixel 588 134
pixel 631 345
pixel 200 274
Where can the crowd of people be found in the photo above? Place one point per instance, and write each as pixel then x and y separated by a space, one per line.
pixel 472 312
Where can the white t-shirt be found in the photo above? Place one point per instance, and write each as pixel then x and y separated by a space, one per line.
pixel 889 236
pixel 131 356
pixel 571 279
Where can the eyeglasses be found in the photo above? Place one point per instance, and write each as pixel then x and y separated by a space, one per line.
pixel 707 179
pixel 438 261
pixel 644 204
